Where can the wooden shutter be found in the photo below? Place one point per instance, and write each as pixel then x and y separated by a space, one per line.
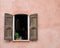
pixel 33 27
pixel 8 27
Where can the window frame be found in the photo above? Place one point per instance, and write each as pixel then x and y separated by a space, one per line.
pixel 28 29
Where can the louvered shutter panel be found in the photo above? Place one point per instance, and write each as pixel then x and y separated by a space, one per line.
pixel 8 27
pixel 33 27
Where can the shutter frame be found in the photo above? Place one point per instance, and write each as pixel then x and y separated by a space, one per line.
pixel 8 27
pixel 34 27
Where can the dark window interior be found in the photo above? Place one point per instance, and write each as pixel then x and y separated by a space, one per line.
pixel 21 27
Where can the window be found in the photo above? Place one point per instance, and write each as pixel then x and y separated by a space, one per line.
pixel 20 27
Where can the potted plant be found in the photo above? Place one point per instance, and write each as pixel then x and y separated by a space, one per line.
pixel 16 36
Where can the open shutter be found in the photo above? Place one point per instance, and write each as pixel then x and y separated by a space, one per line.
pixel 33 27
pixel 8 27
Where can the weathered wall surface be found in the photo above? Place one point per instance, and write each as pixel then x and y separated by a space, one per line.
pixel 48 22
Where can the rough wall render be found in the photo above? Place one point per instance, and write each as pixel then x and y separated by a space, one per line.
pixel 48 22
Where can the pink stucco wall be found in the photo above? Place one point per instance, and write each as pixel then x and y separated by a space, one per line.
pixel 48 22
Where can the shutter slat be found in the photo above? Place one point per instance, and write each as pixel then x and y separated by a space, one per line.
pixel 8 27
pixel 33 27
